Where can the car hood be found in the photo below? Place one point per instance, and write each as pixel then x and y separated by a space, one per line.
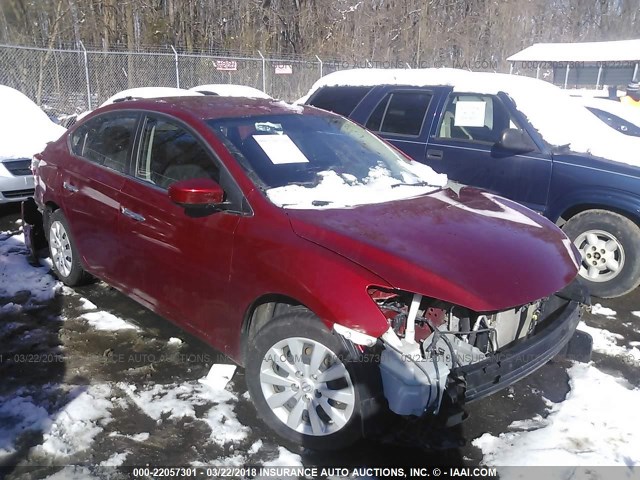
pixel 469 247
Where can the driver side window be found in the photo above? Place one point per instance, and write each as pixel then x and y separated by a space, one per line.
pixel 475 118
pixel 170 153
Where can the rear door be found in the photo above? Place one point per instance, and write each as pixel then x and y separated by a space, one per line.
pixel 91 180
pixel 463 143
pixel 402 116
pixel 176 262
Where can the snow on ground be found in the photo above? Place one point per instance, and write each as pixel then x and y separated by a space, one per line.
pixel 18 277
pixel 219 375
pixel 87 304
pixel 559 119
pixel 20 413
pixel 175 401
pixel 69 419
pixel 107 321
pixel 606 342
pixel 598 309
pixel 75 427
pixel 593 426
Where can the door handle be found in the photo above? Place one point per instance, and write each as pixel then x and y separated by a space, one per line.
pixel 69 187
pixel 434 154
pixel 128 213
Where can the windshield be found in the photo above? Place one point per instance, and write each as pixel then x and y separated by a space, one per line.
pixel 321 161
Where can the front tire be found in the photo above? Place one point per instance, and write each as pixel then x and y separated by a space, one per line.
pixel 609 244
pixel 306 384
pixel 63 252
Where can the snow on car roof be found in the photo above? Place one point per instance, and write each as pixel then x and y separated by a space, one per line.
pixel 580 52
pixel 230 90
pixel 150 92
pixel 25 128
pixel 550 110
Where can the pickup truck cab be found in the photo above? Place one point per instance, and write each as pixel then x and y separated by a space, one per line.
pixel 518 137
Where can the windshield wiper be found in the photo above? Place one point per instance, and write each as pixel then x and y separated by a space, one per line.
pixel 418 184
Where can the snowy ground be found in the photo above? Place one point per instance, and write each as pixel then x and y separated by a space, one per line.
pixel 89 378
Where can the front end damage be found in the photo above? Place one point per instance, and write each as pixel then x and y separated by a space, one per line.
pixel 436 355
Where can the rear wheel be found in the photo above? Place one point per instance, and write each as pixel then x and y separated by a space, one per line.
pixel 64 255
pixel 609 244
pixel 306 384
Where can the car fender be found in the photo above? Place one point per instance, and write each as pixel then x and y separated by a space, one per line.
pixel 595 197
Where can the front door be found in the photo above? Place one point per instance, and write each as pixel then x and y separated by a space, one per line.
pixel 176 263
pixel 464 144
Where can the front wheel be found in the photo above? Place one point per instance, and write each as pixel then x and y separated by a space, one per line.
pixel 307 386
pixel 610 247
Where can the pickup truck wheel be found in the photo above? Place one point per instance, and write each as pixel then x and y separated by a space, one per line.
pixel 64 255
pixel 609 244
pixel 306 384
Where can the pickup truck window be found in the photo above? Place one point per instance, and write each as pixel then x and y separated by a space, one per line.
pixel 476 118
pixel 341 100
pixel 400 113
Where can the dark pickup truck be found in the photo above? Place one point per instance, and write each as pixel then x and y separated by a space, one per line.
pixel 490 131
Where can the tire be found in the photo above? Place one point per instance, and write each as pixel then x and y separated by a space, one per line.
pixel 274 379
pixel 63 252
pixel 609 244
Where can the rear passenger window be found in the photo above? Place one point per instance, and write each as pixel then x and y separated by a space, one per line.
pixel 400 113
pixel 106 140
pixel 170 153
pixel 340 100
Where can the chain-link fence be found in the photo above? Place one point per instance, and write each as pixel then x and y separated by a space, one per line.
pixel 74 80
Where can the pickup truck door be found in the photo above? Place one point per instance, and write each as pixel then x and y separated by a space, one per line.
pixel 401 115
pixel 464 143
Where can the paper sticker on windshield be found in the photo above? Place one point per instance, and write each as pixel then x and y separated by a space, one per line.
pixel 280 149
pixel 469 113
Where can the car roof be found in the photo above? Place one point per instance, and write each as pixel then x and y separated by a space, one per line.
pixel 210 107
pixel 460 80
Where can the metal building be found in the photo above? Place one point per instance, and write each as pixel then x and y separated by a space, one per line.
pixel 585 64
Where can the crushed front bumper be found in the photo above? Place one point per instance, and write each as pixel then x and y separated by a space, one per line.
pixel 478 380
pixel 415 384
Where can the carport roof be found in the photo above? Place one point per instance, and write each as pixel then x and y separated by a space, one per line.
pixel 622 50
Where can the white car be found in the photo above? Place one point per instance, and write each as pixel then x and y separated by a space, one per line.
pixel 26 130
pixel 621 117
pixel 230 90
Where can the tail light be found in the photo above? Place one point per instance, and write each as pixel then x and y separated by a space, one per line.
pixel 35 162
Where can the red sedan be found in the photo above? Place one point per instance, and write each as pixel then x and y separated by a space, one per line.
pixel 346 279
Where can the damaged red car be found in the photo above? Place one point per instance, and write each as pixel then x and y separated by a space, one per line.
pixel 348 280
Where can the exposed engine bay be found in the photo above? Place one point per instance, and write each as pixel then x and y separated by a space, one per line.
pixel 429 338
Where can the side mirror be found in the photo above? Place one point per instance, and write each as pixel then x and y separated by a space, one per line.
pixel 196 192
pixel 516 141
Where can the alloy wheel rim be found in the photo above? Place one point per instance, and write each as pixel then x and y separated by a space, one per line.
pixel 602 255
pixel 307 387
pixel 61 253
